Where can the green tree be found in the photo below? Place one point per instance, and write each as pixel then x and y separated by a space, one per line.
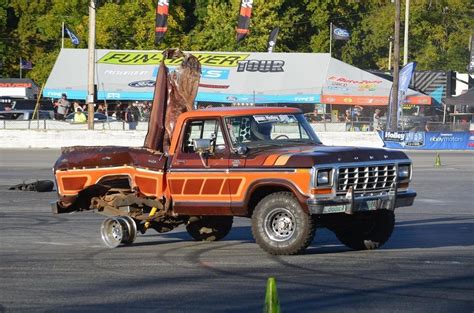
pixel 3 34
pixel 438 36
pixel 439 30
pixel 218 30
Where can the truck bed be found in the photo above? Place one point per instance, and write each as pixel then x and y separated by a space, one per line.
pixel 109 156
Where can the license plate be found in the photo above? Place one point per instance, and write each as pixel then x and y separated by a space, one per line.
pixel 334 209
pixel 373 204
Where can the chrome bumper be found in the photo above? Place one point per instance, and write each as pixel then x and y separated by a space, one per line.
pixel 342 204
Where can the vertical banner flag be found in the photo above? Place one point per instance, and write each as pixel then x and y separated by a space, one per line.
pixel 244 19
pixel 340 33
pixel 404 79
pixel 161 20
pixel 70 34
pixel 272 39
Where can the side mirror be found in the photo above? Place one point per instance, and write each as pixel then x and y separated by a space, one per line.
pixel 241 149
pixel 202 146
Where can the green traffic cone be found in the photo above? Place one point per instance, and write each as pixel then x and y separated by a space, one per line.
pixel 272 304
pixel 437 160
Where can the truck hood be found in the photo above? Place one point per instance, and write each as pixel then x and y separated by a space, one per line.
pixel 308 156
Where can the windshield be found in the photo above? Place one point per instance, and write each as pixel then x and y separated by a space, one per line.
pixel 278 129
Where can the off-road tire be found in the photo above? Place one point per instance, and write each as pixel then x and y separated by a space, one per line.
pixel 367 232
pixel 280 226
pixel 209 228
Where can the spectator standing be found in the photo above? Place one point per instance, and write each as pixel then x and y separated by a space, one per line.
pixel 131 116
pixel 347 119
pixel 357 117
pixel 79 116
pixel 377 116
pixel 63 107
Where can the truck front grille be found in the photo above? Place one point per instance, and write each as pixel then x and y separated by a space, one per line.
pixel 366 179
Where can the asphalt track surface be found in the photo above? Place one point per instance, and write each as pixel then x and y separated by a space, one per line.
pixel 57 263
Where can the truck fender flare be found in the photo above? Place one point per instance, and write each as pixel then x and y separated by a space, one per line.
pixel 275 183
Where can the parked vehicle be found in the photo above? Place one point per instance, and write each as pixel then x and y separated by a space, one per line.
pixel 263 163
pixel 24 115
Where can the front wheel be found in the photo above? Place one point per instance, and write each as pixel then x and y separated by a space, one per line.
pixel 280 226
pixel 209 228
pixel 367 231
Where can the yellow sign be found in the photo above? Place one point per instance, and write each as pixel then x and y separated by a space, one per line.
pixel 152 58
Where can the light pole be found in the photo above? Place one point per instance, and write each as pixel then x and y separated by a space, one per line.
pixel 405 38
pixel 91 69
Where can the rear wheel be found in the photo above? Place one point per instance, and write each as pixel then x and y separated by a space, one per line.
pixel 118 230
pixel 209 228
pixel 366 231
pixel 280 226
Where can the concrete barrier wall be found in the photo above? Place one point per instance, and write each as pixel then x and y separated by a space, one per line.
pixel 64 138
pixel 24 138
pixel 354 139
pixel 52 124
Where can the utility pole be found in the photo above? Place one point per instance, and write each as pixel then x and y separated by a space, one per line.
pixel 396 68
pixel 405 38
pixel 91 69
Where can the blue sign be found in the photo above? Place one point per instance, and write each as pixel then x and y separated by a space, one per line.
pixel 208 73
pixel 428 140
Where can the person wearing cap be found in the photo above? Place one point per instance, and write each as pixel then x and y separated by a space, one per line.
pixel 79 116
pixel 63 107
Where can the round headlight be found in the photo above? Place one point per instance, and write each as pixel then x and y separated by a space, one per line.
pixel 323 177
pixel 404 171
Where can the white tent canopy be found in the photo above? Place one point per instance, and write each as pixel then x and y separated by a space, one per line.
pixel 227 77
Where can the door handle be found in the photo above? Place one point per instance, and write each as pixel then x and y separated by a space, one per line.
pixel 180 162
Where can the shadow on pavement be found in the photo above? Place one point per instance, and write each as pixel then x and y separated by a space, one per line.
pixel 426 233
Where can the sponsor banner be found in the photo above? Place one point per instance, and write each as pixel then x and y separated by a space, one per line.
pixel 370 100
pixel 237 74
pixel 202 96
pixel 207 73
pixel 428 140
pixel 154 58
pixel 15 85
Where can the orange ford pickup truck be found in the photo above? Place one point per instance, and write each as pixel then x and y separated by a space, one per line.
pixel 263 163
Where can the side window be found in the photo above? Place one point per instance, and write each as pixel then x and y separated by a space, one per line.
pixel 239 128
pixel 202 129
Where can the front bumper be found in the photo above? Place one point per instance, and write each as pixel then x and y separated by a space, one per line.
pixel 355 203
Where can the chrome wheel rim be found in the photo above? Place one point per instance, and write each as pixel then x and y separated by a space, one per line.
pixel 112 232
pixel 280 224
